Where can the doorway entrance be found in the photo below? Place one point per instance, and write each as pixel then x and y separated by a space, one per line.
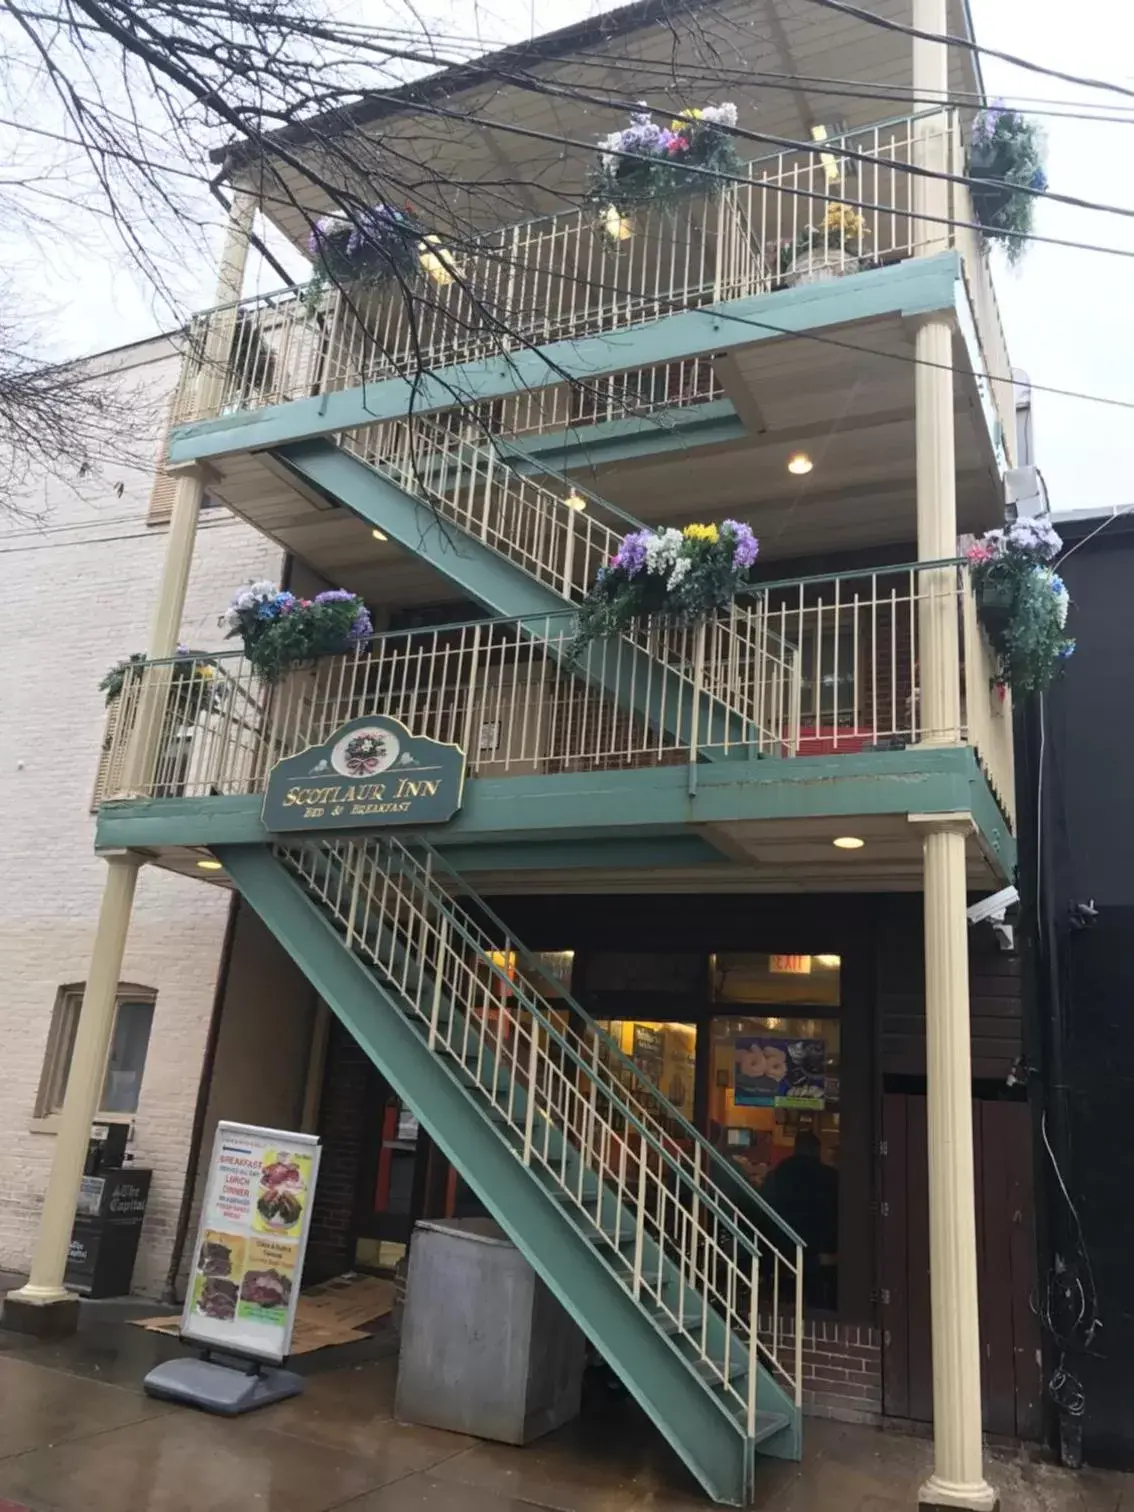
pixel 1006 1264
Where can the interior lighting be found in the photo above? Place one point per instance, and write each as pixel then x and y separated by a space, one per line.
pixel 379 535
pixel 848 842
pixel 800 464
pixel 209 865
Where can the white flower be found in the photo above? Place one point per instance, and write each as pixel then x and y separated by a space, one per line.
pixel 720 115
pixel 678 573
pixel 662 552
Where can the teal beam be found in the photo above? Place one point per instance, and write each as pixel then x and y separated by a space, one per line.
pixel 664 430
pixel 507 591
pixel 665 1385
pixel 917 286
pixel 572 810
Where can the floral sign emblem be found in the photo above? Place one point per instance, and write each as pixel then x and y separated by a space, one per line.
pixel 365 753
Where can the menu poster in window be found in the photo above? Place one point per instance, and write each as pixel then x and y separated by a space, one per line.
pixel 248 1261
pixel 779 1073
pixel 648 1053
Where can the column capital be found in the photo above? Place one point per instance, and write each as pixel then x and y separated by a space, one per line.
pixel 956 822
pixel 122 857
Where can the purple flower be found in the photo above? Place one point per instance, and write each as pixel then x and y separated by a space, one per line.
pixel 373 227
pixel 1039 181
pixel 334 596
pixel 322 231
pixel 631 555
pixel 361 626
pixel 745 547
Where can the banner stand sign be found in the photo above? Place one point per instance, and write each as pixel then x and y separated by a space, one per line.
pixel 246 1269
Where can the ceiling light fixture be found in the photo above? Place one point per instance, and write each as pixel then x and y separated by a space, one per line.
pixel 379 535
pixel 800 464
pixel 210 866
pixel 848 842
pixel 575 501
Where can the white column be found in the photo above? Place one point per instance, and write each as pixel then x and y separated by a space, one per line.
pixel 80 1104
pixel 958 1471
pixel 169 608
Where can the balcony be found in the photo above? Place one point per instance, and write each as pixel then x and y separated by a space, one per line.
pixel 807 668
pixel 564 277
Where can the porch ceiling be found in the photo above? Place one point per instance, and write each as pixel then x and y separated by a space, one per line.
pixel 761 856
pixel 851 409
pixel 464 163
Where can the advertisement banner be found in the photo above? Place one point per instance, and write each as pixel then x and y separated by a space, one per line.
pixel 248 1260
pixel 771 1072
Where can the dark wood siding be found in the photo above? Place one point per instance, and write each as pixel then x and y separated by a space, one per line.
pixel 994 994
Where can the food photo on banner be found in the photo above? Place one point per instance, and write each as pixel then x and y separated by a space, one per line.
pixel 773 1072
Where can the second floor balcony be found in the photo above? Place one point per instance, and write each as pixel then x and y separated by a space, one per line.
pixel 822 667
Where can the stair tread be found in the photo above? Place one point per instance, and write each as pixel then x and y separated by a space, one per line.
pixel 768 1423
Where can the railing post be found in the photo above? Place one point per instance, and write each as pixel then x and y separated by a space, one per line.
pixel 798 1324
pixel 356 887
pixel 533 1072
pixel 640 1219
pixel 438 978
pixel 569 557
pixel 753 1334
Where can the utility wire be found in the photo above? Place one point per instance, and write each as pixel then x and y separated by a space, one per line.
pixel 967 45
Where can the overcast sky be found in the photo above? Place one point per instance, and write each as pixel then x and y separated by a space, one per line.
pixel 1069 313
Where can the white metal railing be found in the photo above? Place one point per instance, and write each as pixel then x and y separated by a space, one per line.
pixel 579 1113
pixel 832 668
pixel 508 692
pixel 564 276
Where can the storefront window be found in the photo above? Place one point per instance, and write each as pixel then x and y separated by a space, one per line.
pixel 665 1053
pixel 774 1114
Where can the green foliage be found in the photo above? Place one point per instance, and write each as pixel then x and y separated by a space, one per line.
pixel 1007 157
pixel 196 682
pixel 1023 607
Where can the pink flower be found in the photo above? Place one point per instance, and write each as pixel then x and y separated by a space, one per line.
pixel 980 553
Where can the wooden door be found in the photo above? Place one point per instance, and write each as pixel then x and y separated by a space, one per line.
pixel 1006 1265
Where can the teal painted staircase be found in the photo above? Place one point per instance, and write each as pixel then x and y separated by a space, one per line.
pixel 520 549
pixel 619 1205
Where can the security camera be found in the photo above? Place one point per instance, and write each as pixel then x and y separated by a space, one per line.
pixel 994 907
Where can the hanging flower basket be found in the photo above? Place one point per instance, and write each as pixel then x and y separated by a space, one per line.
pixel 378 244
pixel 280 631
pixel 1006 156
pixel 671 577
pixel 1022 603
pixel 658 169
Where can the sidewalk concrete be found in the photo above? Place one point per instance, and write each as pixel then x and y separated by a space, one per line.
pixel 78 1435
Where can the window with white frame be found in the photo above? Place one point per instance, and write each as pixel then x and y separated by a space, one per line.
pixel 126 1058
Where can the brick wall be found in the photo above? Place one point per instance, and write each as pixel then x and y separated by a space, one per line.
pixel 76 593
pixel 842 1371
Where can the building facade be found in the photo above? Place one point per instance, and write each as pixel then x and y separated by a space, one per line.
pixel 1076 899
pixel 679 988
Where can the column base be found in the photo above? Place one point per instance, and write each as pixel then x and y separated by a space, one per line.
pixel 50 1317
pixel 948 1496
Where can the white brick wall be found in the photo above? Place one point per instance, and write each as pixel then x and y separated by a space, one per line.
pixel 75 596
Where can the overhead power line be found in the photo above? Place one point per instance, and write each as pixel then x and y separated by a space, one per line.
pixel 967 45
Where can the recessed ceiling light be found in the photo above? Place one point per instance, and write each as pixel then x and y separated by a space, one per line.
pixel 848 842
pixel 210 866
pixel 799 464
pixel 379 535
pixel 575 501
